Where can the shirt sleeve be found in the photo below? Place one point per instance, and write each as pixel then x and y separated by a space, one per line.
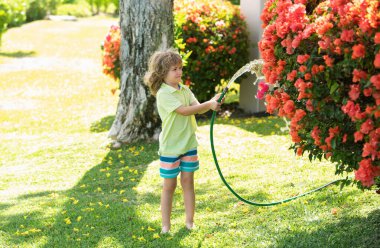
pixel 192 97
pixel 168 102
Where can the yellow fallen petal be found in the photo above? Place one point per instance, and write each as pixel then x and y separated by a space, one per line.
pixel 125 200
pixel 121 178
pixel 76 229
pixel 63 212
pixel 122 191
pixel 79 218
pixel 108 174
pixel 150 229
pixel 107 206
pixel 156 236
pixel 120 172
pixel 67 221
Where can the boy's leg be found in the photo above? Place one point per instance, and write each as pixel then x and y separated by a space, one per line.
pixel 187 182
pixel 166 202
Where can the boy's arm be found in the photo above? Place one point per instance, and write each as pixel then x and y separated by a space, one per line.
pixel 200 108
pixel 196 108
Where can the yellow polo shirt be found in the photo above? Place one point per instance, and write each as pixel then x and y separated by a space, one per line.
pixel 178 132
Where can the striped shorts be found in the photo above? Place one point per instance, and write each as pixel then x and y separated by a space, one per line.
pixel 171 166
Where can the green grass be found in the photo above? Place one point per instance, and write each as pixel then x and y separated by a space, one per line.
pixel 62 187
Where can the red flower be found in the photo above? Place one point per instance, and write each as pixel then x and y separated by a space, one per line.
pixel 299 151
pixel 367 92
pixel 232 51
pixel 302 58
pixel 309 105
pixel 329 61
pixel 370 149
pixel 291 75
pixel 347 35
pixel 367 126
pixel 315 135
pixel 344 139
pixel 375 80
pixel 366 172
pixel 376 62
pixel 191 40
pixel 358 136
pixel 377 38
pixel 358 51
pixel 289 107
pixel 358 75
pixel 354 92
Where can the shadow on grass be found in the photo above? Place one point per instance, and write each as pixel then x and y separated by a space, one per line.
pixel 103 125
pixel 18 54
pixel 349 232
pixel 102 209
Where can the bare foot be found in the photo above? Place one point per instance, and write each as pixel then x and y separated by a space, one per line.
pixel 165 229
pixel 190 226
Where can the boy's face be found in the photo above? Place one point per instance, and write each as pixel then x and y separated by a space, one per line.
pixel 174 74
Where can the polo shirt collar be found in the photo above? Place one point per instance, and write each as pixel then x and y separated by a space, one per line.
pixel 171 89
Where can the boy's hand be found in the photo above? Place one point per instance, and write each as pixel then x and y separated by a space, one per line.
pixel 214 105
pixel 217 96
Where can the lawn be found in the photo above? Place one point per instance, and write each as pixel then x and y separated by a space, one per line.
pixel 61 186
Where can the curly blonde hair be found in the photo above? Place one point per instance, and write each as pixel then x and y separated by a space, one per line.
pixel 159 66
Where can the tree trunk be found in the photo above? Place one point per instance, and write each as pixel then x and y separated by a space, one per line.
pixel 146 26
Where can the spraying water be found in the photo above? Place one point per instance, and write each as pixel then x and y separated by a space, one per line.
pixel 254 67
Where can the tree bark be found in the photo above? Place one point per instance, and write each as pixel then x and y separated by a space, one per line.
pixel 146 26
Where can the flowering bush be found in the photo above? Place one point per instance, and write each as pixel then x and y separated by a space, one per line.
pixel 110 53
pixel 323 59
pixel 214 44
pixel 216 35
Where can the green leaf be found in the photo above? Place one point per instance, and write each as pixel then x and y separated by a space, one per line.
pixel 334 87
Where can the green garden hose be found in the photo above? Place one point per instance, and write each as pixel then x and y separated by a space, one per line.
pixel 229 187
